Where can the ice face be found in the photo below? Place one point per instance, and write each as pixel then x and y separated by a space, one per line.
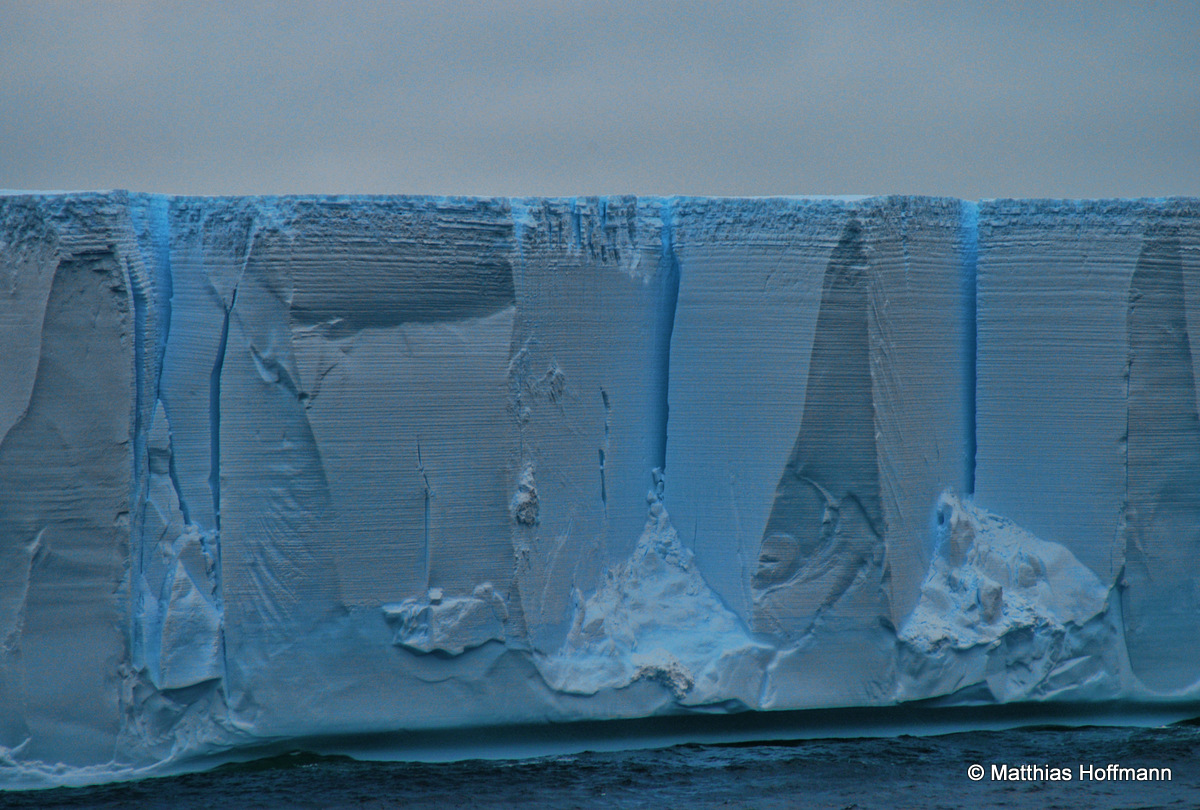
pixel 1087 406
pixel 288 469
pixel 65 511
pixel 1162 531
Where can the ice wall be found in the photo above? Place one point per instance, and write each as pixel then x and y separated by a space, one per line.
pixel 67 489
pixel 1087 418
pixel 814 341
pixel 276 470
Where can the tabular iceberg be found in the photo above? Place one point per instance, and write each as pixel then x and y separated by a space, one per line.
pixel 309 469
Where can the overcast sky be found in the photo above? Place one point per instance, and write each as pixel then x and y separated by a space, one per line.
pixel 969 99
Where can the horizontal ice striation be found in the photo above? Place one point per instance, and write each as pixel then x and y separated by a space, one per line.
pixel 276 470
pixel 817 413
pixel 595 285
pixel 1087 418
pixel 66 474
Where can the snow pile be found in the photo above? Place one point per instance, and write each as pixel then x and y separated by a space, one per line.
pixel 1003 608
pixel 654 618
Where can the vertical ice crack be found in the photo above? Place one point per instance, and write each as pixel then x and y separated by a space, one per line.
pixel 604 449
pixel 140 262
pixel 214 414
pixel 969 274
pixel 665 324
pixel 173 474
pixel 151 290
pixel 139 480
pixel 214 478
pixel 427 551
pixel 140 295
pixel 158 225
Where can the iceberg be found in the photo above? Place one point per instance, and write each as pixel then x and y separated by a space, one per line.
pixel 351 473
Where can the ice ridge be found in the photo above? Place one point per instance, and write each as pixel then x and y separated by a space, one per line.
pixel 310 468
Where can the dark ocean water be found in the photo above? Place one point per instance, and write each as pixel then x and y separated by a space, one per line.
pixel 842 773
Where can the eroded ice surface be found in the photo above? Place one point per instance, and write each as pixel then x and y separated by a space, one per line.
pixel 282 469
pixel 1009 615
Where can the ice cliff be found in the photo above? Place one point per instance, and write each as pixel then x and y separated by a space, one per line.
pixel 276 470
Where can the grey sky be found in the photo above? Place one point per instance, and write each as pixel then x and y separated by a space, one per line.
pixel 739 98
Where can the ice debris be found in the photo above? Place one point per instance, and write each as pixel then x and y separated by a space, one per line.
pixel 1004 608
pixel 653 617
pixel 448 625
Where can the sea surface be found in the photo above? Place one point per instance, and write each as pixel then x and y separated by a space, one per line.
pixel 883 772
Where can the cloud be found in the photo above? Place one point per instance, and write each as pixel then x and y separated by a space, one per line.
pixel 571 98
